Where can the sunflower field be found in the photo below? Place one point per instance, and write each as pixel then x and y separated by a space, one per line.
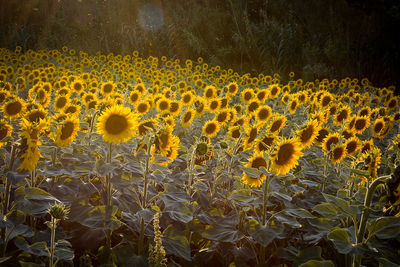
pixel 120 160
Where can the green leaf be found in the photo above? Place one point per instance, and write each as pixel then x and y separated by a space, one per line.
pixel 37 249
pixel 264 234
pixel 289 220
pixel 299 213
pixel 222 234
pixel 341 240
pixel 315 263
pixel 326 210
pixel 251 172
pixel 342 204
pixel 63 250
pixel 34 201
pixel 386 227
pixel 307 254
pixel 360 172
pixel 175 243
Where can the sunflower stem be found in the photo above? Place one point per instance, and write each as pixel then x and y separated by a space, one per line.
pixel 108 192
pixel 264 212
pixel 365 214
pixel 12 157
pixel 52 241
pixel 145 176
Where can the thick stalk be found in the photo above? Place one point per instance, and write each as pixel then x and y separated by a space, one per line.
pixel 264 213
pixel 191 172
pixel 365 215
pixel 12 157
pixel 52 241
pixel 108 192
pixel 145 176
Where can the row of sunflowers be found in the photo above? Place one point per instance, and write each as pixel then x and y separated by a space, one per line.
pixel 217 129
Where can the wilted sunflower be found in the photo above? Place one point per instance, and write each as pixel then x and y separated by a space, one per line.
pixel 5 130
pixel 14 108
pixel 187 117
pixel 278 121
pixel 117 124
pixel 67 131
pixel 360 124
pixel 330 139
pixel 256 161
pixel 286 156
pixel 263 113
pixel 338 153
pixel 211 128
pixel 309 132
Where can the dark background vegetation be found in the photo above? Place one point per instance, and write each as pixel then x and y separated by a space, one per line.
pixel 313 38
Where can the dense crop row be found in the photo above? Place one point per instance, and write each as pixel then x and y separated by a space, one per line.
pixel 123 160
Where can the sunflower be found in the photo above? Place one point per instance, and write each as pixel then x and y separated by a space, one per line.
pixel 200 105
pixel 5 130
pixel 67 131
pixel 232 88
pixel 211 128
pixel 329 140
pixel 308 133
pixel 367 145
pixel 3 96
pixel 107 88
pixel 224 102
pixel 142 107
pixel 326 99
pixel 353 144
pixel 251 135
pixel 87 97
pixel 203 152
pixel 342 115
pixel 246 95
pixel 61 102
pixel 322 134
pixel 77 86
pixel 392 103
pixel 263 113
pixel 223 116
pixel 72 110
pixel 274 91
pixel 364 111
pixel 286 156
pixel 117 124
pixel 35 115
pixel 210 92
pixel 175 107
pixel 256 161
pixel 145 126
pixel 169 119
pixel 278 121
pixel 293 106
pixel 163 104
pixel 252 106
pixel 187 98
pixel 187 117
pixel 14 108
pixel 360 124
pixel 265 142
pixel 338 153
pixel 372 159
pixel 214 105
pixel 262 95
pixel 234 132
pixel 378 127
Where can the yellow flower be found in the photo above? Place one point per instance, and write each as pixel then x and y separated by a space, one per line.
pixel 232 88
pixel 35 115
pixel 308 133
pixel 246 95
pixel 293 104
pixel 14 108
pixel 256 161
pixel 67 131
pixel 286 156
pixel 274 91
pixel 263 113
pixel 117 124
pixel 338 153
pixel 329 140
pixel 353 144
pixel 211 128
pixel 61 102
pixel 360 124
pixel 278 121
pixel 5 130
pixel 107 88
pixel 187 117
pixel 142 107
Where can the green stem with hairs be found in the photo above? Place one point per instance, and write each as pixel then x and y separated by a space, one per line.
pixel 52 241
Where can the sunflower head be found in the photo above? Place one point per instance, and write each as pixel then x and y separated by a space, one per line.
pixel 187 117
pixel 14 108
pixel 5 130
pixel 285 156
pixel 117 124
pixel 278 121
pixel 211 128
pixel 330 139
pixel 308 133
pixel 67 131
pixel 353 144
pixel 256 161
pixel 338 153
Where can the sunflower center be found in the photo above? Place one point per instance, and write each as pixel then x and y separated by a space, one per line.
pixel 261 95
pixel 306 134
pixel 36 116
pixel 342 116
pixel 378 127
pixel 364 112
pixel 236 133
pixel 211 127
pixel 325 101
pixel 67 130
pixel 263 114
pixel 187 98
pixel 107 88
pixel 71 109
pixel 330 141
pixel 214 105
pixel 187 117
pixel 293 105
pixel 338 153
pixel 253 106
pixel 164 139
pixel 61 102
pixel 209 93
pixel 224 103
pixel 222 117
pixel 3 132
pixel 258 162
pixel 276 125
pixel 248 96
pixel 253 135
pixel 77 86
pixel 14 108
pixel 142 107
pixel 322 134
pixel 392 104
pixel 163 105
pixel 285 154
pixel 174 107
pixel 351 147
pixel 116 124
pixel 274 91
pixel 360 124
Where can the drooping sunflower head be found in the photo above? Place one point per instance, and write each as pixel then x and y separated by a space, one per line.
pixel 145 126
pixel 372 160
pixel 187 117
pixel 285 156
pixel 117 124
pixel 265 142
pixel 211 128
pixel 308 133
pixel 256 161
